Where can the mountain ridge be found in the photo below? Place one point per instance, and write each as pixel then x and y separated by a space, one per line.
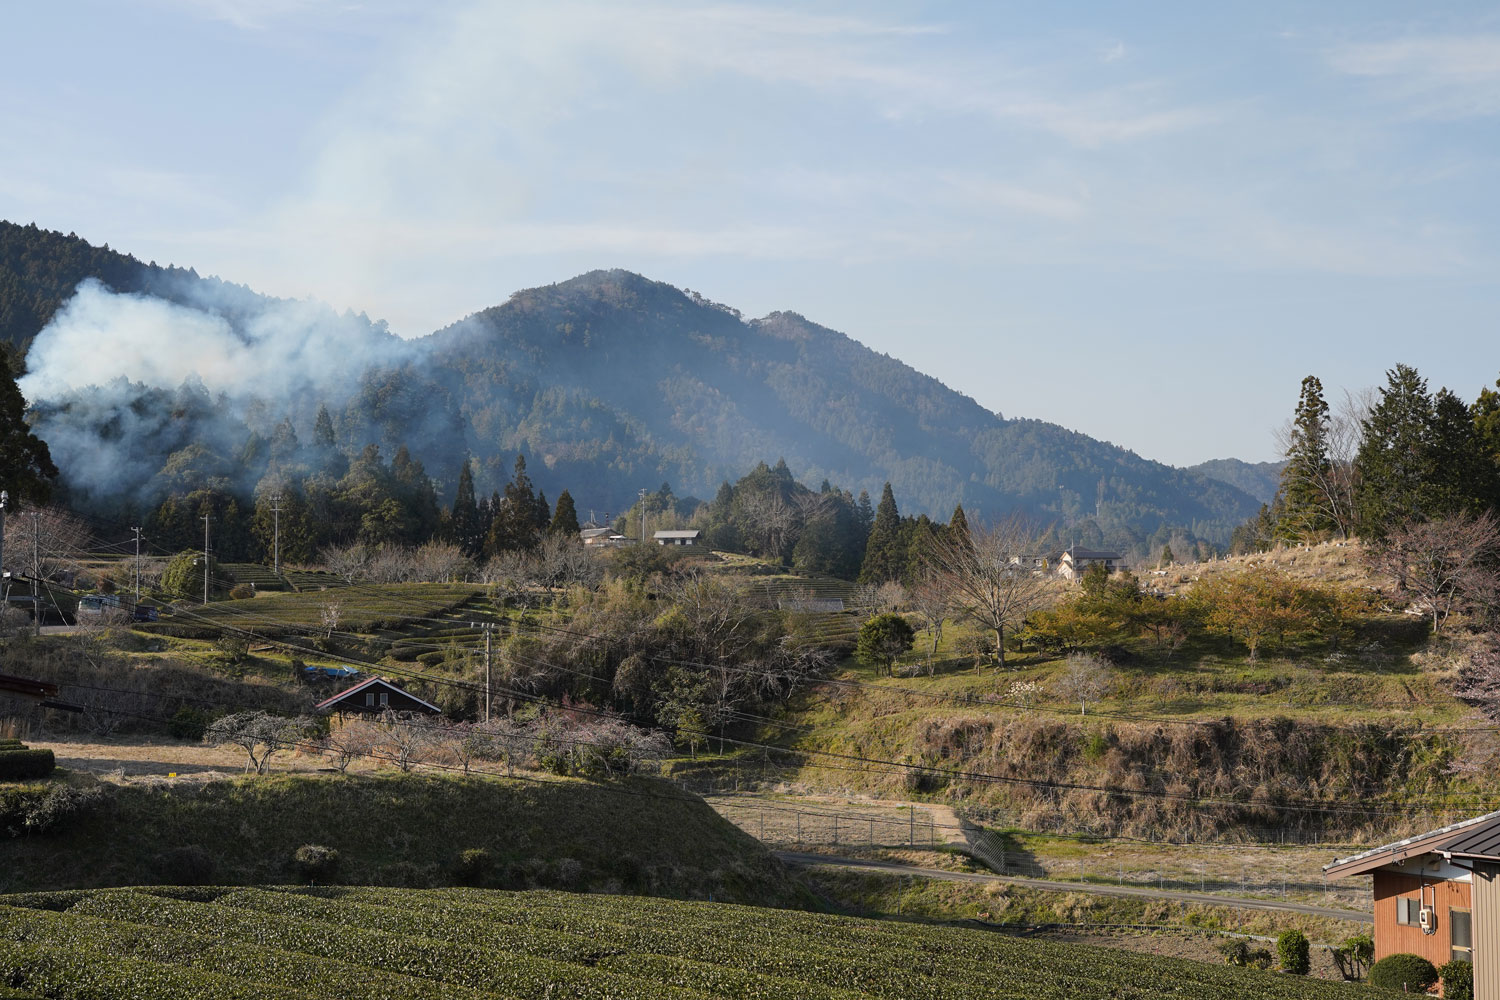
pixel 612 381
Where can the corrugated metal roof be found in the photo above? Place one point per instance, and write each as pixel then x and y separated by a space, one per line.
pixel 1472 838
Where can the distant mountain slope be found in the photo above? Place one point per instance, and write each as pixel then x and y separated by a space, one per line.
pixel 608 382
pixel 622 380
pixel 1259 479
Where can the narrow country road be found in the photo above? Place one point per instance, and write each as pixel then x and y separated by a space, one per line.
pixel 896 868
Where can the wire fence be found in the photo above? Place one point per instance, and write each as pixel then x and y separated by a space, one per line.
pixel 793 825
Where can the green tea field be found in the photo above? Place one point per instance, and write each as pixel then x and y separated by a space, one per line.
pixel 397 943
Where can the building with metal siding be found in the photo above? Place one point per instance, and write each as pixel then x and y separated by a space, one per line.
pixel 1438 895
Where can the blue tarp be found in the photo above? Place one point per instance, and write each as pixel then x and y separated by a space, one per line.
pixel 337 673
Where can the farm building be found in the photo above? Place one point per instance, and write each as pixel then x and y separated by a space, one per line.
pixel 1438 895
pixel 678 537
pixel 373 696
pixel 593 537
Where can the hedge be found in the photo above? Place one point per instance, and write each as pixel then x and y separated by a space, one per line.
pixel 26 765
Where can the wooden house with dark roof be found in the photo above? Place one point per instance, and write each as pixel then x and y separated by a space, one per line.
pixel 373 696
pixel 1438 895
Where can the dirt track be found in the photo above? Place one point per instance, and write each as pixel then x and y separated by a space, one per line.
pixel 1211 899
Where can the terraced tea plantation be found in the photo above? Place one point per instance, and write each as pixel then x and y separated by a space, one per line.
pixel 412 944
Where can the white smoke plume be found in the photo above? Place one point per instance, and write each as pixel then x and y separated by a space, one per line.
pixel 120 382
pixel 275 350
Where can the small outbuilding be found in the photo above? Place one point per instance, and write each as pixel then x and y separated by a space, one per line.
pixel 1438 895
pixel 374 696
pixel 678 537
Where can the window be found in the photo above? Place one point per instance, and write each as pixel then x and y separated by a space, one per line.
pixel 1459 935
pixel 369 699
pixel 1408 911
pixel 385 700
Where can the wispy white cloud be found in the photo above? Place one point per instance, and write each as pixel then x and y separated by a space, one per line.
pixel 1437 76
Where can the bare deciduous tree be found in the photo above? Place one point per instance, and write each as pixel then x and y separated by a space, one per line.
pixel 1479 678
pixel 260 734
pixel 988 588
pixel 1085 679
pixel 406 740
pixel 349 742
pixel 330 613
pixel 346 561
pixel 1440 564
pixel 932 603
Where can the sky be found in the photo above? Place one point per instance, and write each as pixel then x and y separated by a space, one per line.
pixel 1146 222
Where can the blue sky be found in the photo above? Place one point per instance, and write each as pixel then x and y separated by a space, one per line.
pixel 1145 221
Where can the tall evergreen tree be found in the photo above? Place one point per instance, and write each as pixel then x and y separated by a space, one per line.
pixel 1394 464
pixel 1486 414
pixel 1463 480
pixel 885 556
pixel 465 524
pixel 328 458
pixel 958 525
pixel 565 518
pixel 865 512
pixel 1306 475
pixel 515 525
pixel 26 469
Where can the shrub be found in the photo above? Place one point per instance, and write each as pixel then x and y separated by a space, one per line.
pixel 1403 971
pixel 242 591
pixel 1239 953
pixel 25 764
pixel 1458 980
pixel 36 809
pixel 1354 956
pixel 316 863
pixel 474 867
pixel 188 723
pixel 1292 952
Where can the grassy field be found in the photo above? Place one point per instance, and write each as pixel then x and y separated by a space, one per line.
pixel 392 828
pixel 386 943
pixel 878 893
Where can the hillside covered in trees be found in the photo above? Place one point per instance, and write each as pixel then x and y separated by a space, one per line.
pixel 605 383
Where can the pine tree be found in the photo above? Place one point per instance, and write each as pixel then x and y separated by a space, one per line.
pixel 1166 557
pixel 885 556
pixel 565 519
pixel 1462 479
pixel 26 468
pixel 1305 477
pixel 1394 464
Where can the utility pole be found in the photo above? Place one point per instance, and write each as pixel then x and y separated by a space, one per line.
pixel 643 517
pixel 276 521
pixel 489 630
pixel 137 564
pixel 36 570
pixel 4 499
pixel 205 560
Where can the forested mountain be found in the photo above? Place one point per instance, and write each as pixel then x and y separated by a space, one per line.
pixel 607 383
pixel 1259 479
pixel 611 378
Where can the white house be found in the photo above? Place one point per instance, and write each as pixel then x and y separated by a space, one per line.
pixel 1074 562
pixel 678 537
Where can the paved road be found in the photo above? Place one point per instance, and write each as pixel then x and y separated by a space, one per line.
pixel 896 868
